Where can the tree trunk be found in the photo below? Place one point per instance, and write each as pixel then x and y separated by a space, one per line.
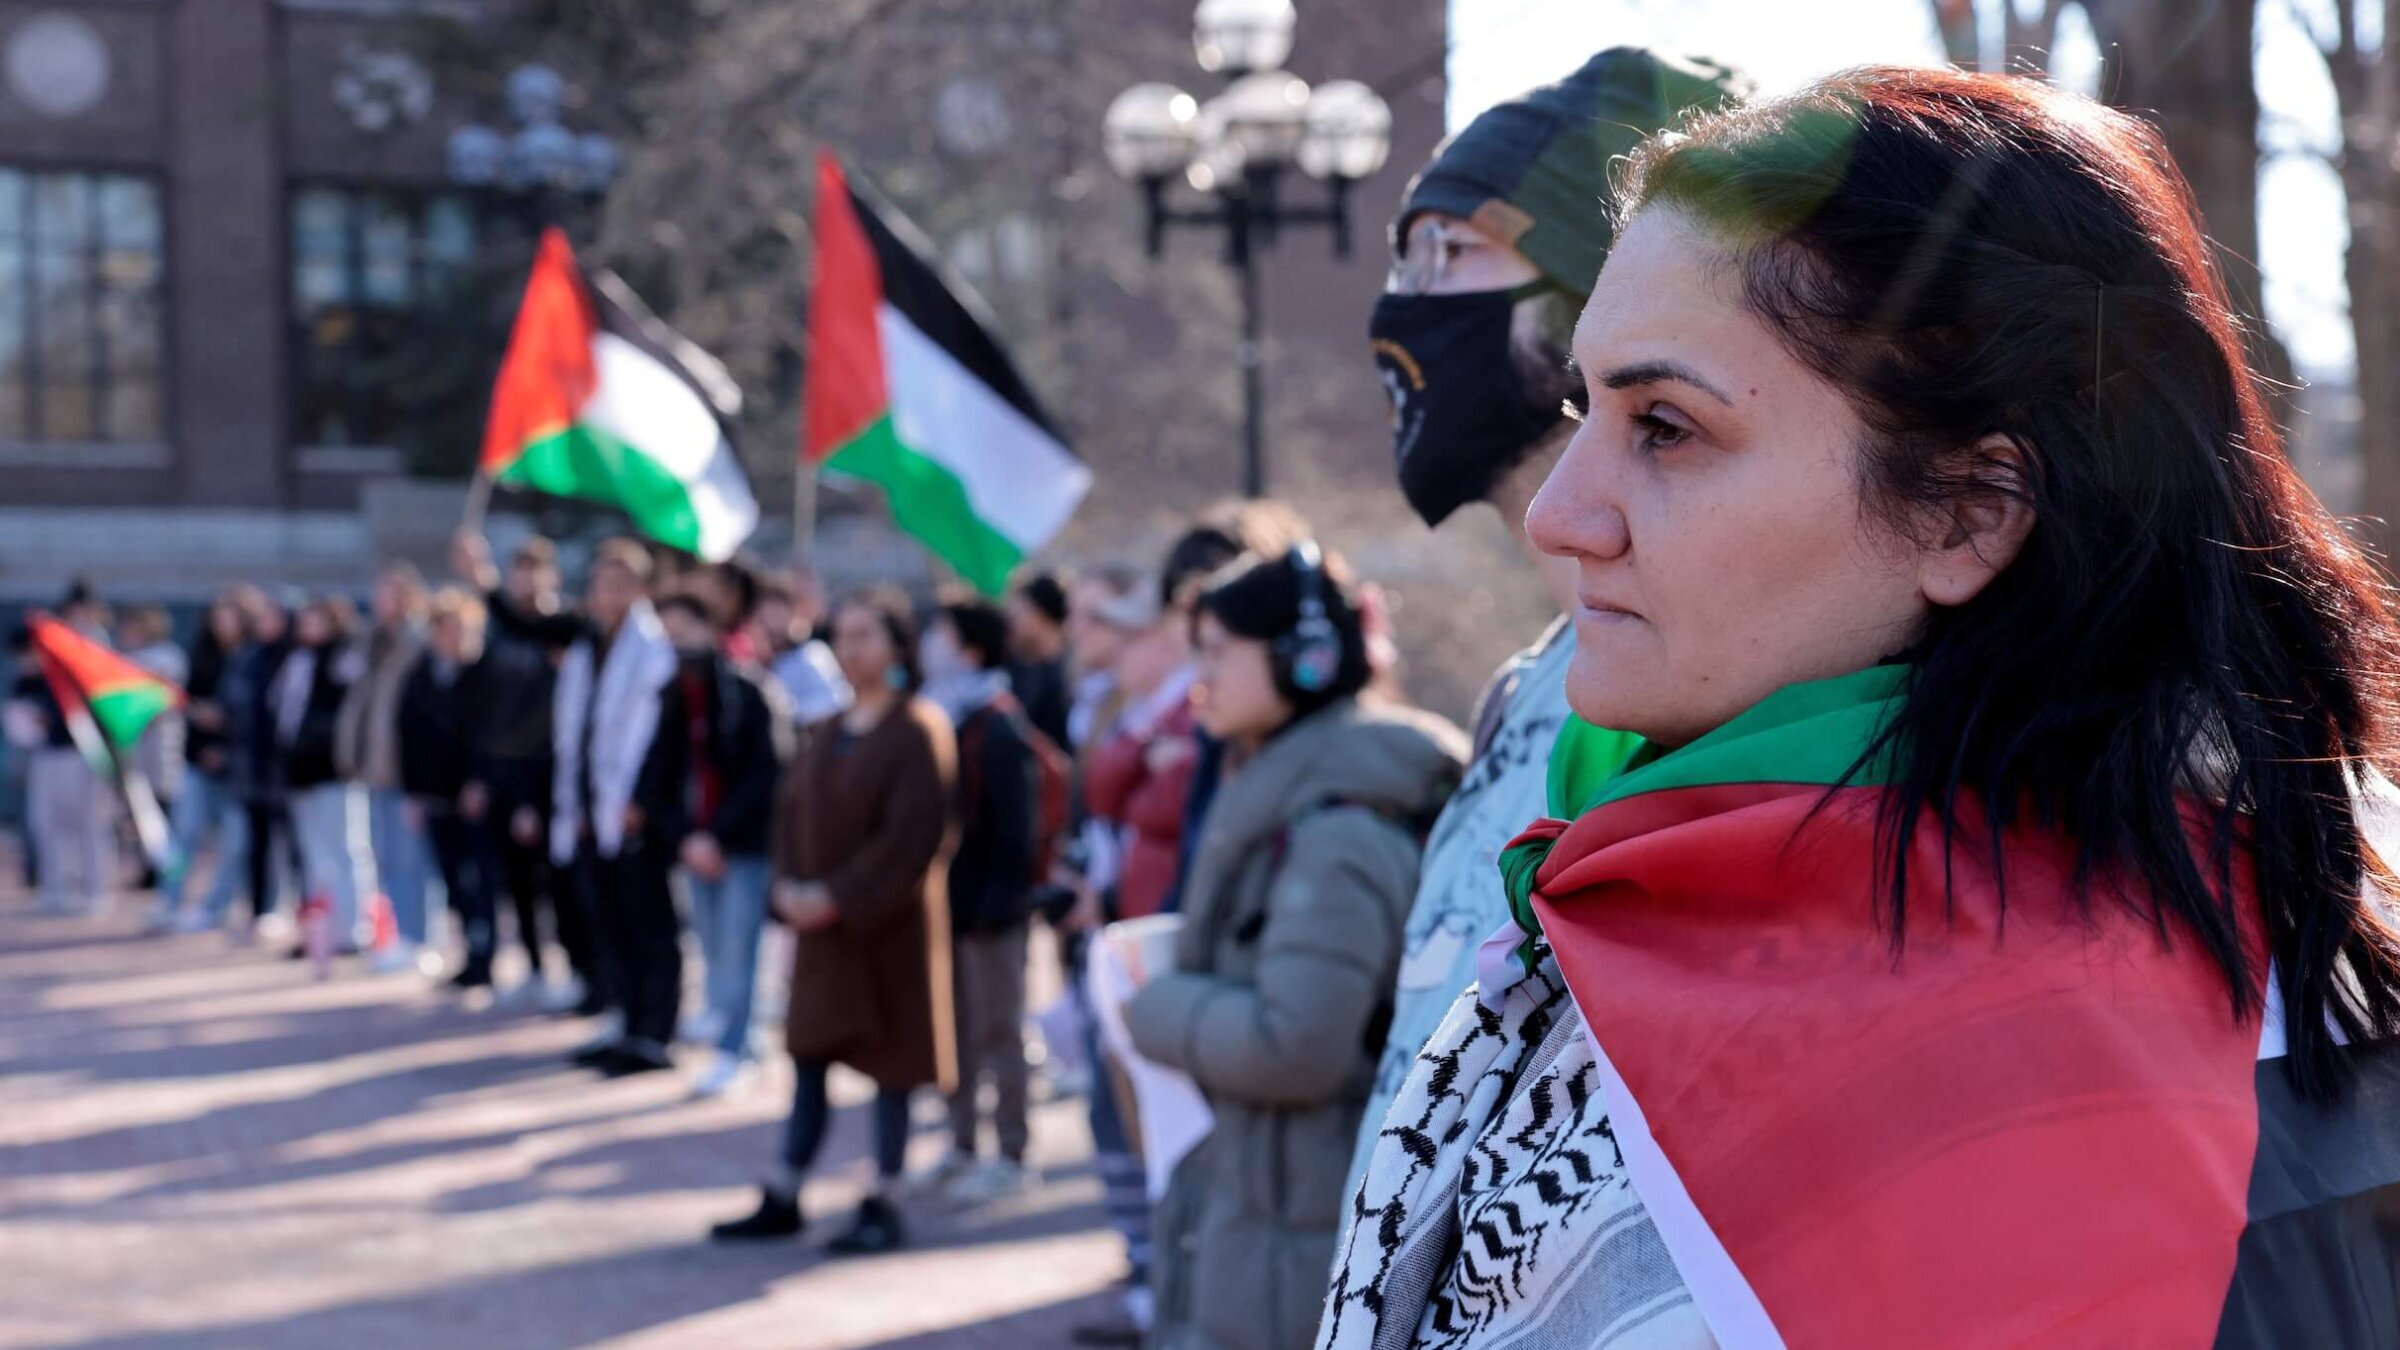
pixel 2368 85
pixel 2375 319
pixel 2190 68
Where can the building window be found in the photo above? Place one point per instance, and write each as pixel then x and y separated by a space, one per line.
pixel 81 320
pixel 380 283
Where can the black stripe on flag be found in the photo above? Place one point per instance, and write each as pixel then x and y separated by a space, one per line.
pixel 621 313
pixel 2319 1263
pixel 942 305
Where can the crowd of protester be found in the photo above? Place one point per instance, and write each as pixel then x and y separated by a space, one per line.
pixel 1403 1085
pixel 671 764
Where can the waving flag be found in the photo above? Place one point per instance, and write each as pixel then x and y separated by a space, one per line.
pixel 123 698
pixel 108 702
pixel 2051 1130
pixel 600 401
pixel 908 389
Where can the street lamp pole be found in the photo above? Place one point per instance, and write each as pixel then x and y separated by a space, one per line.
pixel 1233 152
pixel 1253 349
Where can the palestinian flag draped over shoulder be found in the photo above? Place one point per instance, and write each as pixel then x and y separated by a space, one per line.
pixel 600 401
pixel 122 698
pixel 908 389
pixel 2045 1131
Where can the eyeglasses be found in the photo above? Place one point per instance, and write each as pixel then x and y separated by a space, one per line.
pixel 1431 245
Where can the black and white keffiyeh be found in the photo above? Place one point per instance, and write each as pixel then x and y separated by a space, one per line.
pixel 1495 1211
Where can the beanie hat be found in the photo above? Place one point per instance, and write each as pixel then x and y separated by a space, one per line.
pixel 1533 173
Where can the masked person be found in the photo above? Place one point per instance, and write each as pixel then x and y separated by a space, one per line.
pixel 1496 245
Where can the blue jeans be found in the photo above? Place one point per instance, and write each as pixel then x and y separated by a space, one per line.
pixel 399 861
pixel 729 913
pixel 207 805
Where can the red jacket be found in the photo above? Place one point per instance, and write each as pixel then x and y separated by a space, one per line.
pixel 1120 787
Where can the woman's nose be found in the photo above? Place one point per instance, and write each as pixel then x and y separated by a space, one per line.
pixel 1576 514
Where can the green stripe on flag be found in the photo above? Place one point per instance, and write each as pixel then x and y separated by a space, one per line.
pixel 126 712
pixel 1804 733
pixel 930 502
pixel 596 467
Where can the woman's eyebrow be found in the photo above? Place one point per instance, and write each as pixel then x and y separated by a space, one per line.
pixel 1661 372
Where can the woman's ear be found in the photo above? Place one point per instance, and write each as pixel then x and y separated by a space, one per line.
pixel 1982 528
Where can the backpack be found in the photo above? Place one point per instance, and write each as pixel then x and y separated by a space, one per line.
pixel 1054 778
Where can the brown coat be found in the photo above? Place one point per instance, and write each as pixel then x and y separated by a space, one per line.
pixel 871 820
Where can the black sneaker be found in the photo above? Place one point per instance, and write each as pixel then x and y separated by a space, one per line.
pixel 472 977
pixel 874 1230
pixel 777 1217
pixel 595 1055
pixel 634 1057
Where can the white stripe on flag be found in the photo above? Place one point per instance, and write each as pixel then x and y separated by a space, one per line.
pixel 642 403
pixel 1019 479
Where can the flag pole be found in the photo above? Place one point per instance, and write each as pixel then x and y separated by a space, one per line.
pixel 804 513
pixel 479 503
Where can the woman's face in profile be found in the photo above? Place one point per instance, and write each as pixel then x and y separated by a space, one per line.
pixel 1710 502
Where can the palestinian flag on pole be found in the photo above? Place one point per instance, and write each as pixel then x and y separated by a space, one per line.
pixel 908 389
pixel 599 401
pixel 2048 1131
pixel 108 702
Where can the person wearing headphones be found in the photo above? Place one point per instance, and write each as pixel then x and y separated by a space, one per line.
pixel 1292 907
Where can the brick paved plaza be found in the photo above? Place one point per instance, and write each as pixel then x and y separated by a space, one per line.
pixel 202 1147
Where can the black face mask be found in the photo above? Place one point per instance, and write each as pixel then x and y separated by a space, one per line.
pixel 1461 417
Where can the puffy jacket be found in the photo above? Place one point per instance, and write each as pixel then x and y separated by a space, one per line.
pixel 1276 1008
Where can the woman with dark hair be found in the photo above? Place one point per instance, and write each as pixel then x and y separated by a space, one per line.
pixel 1973 934
pixel 861 836
pixel 1280 993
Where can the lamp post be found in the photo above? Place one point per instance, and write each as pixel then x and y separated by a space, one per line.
pixel 1233 153
pixel 540 160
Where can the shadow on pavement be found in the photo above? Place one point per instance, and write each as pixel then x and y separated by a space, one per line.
pixel 580 1302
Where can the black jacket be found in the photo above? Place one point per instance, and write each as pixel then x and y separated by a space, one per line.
pixel 1042 689
pixel 520 671
pixel 750 736
pixel 307 756
pixel 204 748
pixel 443 730
pixel 991 875
pixel 252 763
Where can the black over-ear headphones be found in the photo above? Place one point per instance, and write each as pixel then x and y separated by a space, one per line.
pixel 1309 658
